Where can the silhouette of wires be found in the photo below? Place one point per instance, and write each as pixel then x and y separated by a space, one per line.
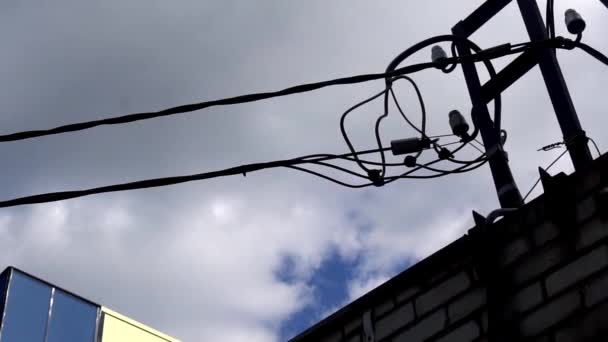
pixel 479 56
pixel 373 177
pixel 294 163
pixel 378 176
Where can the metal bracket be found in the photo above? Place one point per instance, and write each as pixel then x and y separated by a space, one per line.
pixel 368 327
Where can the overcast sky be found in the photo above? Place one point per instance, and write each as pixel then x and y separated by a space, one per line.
pixel 263 257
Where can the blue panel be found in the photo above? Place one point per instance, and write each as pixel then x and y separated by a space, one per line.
pixel 72 319
pixel 3 287
pixel 27 310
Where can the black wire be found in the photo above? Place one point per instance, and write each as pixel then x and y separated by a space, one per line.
pixel 369 162
pixel 159 182
pixel 591 51
pixel 333 180
pixel 442 135
pixel 461 169
pixel 366 162
pixel 379 120
pixel 242 169
pixel 421 45
pixel 343 128
pixel 452 143
pixel 128 118
pixel 339 168
pixel 391 179
pixel 546 169
pixel 456 40
pixel 377 135
pixel 422 131
pixel 475 147
pixel 452 67
pixel 465 162
pixel 407 174
pixel 596 148
pixel 117 120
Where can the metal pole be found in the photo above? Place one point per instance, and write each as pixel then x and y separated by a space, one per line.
pixel 572 131
pixel 508 193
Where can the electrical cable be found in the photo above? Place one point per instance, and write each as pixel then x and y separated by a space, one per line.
pixel 408 174
pixel 240 99
pixel 452 143
pixel 378 139
pixel 128 118
pixel 339 168
pixel 592 52
pixel 417 47
pixel 546 169
pixel 475 147
pixel 461 169
pixel 159 182
pixel 442 135
pixel 455 40
pixel 595 145
pixel 384 115
pixel 343 128
pixel 242 169
pixel 422 130
pixel 333 180
pixel 448 69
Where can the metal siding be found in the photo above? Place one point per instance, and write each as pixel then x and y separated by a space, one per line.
pixel 4 279
pixel 119 328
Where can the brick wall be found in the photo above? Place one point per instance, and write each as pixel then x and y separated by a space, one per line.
pixel 538 274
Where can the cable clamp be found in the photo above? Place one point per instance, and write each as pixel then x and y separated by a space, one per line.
pixel 368 327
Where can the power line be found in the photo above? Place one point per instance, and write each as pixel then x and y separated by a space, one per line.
pixel 596 148
pixel 159 182
pixel 294 163
pixel 391 75
pixel 203 105
pixel 480 56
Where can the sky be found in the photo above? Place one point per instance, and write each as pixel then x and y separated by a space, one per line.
pixel 257 258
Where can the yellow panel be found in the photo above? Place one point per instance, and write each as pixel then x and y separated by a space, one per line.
pixel 119 328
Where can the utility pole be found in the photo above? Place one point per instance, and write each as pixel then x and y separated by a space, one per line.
pixel 574 136
pixel 481 95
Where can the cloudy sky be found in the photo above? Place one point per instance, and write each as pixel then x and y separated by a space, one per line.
pixel 263 257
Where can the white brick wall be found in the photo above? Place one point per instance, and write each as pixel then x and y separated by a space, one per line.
pixel 394 320
pixel 537 263
pixel 470 302
pixel 465 333
pixel 525 299
pixel 591 232
pixel 513 250
pixel 577 270
pixel 590 326
pixel 429 326
pixel 545 232
pixel 596 290
pixel 441 293
pixel 550 314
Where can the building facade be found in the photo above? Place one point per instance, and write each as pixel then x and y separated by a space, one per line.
pixel 33 310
